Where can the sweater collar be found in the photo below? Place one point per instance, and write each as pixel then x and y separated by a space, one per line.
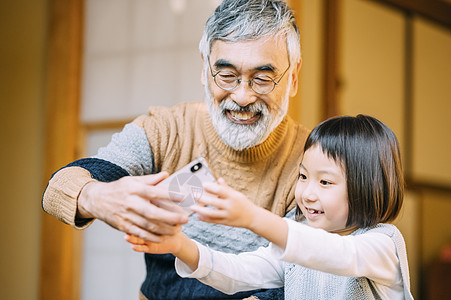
pixel 256 153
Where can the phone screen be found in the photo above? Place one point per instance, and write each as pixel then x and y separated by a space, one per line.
pixel 186 183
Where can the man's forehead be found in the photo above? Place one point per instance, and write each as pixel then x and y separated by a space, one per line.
pixel 252 53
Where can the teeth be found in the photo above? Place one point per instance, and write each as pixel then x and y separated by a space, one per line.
pixel 313 211
pixel 242 116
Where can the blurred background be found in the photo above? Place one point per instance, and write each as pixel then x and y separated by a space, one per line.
pixel 73 72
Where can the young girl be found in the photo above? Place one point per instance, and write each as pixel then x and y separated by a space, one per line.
pixel 350 186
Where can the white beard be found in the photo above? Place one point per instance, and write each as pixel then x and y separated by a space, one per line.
pixel 240 136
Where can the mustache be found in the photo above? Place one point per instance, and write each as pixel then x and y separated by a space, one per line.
pixel 256 107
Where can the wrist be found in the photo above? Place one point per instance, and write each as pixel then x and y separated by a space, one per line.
pixel 187 252
pixel 270 226
pixel 257 216
pixel 83 201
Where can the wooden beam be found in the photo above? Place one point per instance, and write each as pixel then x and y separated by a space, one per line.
pixel 434 10
pixel 408 93
pixel 330 58
pixel 419 185
pixel 60 250
pixel 294 109
pixel 105 125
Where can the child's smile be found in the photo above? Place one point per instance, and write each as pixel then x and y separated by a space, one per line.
pixel 311 212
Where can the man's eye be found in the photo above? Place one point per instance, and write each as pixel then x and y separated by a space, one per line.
pixel 262 80
pixel 226 77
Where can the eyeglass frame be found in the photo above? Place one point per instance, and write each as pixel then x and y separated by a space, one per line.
pixel 250 82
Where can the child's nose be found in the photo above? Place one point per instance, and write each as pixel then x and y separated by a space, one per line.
pixel 309 193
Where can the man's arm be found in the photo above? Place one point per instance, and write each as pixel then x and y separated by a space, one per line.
pixel 101 188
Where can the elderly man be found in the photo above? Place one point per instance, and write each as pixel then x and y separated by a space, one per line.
pixel 251 55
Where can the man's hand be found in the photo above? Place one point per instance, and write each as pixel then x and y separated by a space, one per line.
pixel 132 205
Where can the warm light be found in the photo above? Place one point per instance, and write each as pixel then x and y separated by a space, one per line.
pixel 178 7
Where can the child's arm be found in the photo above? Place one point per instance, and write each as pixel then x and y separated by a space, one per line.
pixel 227 272
pixel 179 245
pixel 232 208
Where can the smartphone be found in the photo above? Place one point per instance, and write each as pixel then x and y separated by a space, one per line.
pixel 185 185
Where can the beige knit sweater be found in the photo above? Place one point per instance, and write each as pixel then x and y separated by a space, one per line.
pixel 266 173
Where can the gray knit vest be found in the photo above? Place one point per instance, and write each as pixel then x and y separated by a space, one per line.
pixel 305 283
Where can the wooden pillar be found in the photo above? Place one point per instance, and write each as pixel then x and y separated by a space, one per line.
pixel 294 109
pixel 330 57
pixel 60 250
pixel 330 102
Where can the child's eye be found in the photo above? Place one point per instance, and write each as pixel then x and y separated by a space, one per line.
pixel 325 182
pixel 302 176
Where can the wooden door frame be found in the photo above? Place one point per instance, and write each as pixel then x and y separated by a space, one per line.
pixel 438 11
pixel 60 244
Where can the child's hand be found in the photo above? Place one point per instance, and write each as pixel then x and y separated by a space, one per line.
pixel 229 207
pixel 179 245
pixel 169 244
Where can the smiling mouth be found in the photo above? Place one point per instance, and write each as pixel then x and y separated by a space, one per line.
pixel 314 211
pixel 243 117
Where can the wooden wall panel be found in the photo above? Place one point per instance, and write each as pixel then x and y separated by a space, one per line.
pixel 431 103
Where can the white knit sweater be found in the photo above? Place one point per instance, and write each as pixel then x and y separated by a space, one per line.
pixel 370 263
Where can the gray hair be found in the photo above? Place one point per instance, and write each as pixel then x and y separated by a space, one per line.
pixel 239 20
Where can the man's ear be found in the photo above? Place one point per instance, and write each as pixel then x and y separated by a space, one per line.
pixel 202 73
pixel 295 78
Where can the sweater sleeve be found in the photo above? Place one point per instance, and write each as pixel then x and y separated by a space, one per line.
pixel 130 150
pixel 231 273
pixel 60 198
pixel 371 255
pixel 61 194
pixel 128 153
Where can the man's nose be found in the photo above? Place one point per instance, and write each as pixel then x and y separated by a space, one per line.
pixel 243 94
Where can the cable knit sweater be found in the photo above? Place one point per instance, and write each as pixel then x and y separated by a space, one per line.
pixel 165 140
pixel 370 263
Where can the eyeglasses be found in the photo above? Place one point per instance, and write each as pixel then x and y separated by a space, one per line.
pixel 261 84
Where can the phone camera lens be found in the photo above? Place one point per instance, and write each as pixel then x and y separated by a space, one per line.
pixel 196 167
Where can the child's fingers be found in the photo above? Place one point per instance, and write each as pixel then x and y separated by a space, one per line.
pixel 207 199
pixel 222 182
pixel 221 189
pixel 133 239
pixel 208 212
pixel 138 244
pixel 208 219
pixel 140 248
pixel 211 187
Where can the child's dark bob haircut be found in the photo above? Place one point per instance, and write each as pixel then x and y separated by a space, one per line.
pixel 369 153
